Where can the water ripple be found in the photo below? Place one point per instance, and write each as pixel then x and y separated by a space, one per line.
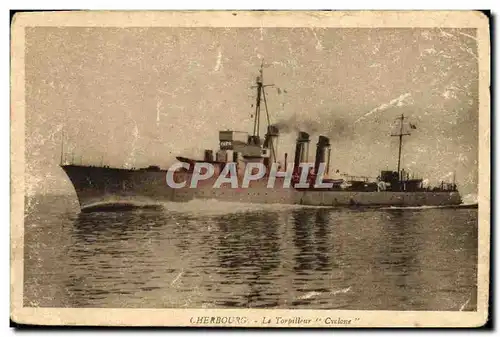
pixel 207 255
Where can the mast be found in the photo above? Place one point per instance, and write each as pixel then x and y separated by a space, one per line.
pixel 256 122
pixel 261 95
pixel 62 146
pixel 400 135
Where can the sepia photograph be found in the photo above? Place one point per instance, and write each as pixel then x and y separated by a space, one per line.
pixel 250 168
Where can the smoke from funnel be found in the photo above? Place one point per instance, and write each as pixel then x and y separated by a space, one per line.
pixel 333 127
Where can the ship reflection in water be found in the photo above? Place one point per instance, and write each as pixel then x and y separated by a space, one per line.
pixel 220 255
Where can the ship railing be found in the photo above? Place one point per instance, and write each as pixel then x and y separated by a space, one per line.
pixel 365 179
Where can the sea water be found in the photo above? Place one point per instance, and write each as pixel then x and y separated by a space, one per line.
pixel 210 254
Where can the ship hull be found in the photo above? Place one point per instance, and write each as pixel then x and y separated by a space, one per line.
pixel 97 186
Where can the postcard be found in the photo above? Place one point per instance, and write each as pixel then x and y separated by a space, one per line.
pixel 275 169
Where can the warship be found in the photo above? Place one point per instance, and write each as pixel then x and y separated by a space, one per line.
pixel 104 186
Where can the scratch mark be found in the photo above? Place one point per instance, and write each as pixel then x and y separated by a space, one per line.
pixel 445 34
pixel 399 101
pixel 319 46
pixel 309 295
pixel 341 291
pixel 131 156
pixel 218 64
pixel 312 294
pixel 430 51
pixel 177 278
pixel 465 304
pixel 468 51
pixel 172 94
pixel 158 105
pixel 467 35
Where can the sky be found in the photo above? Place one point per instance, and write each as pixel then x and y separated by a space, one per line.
pixel 134 97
